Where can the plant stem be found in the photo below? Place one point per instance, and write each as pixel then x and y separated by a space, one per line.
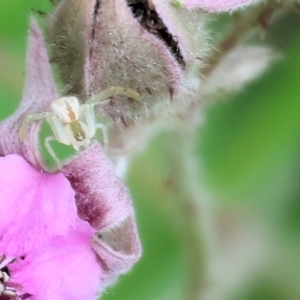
pixel 244 23
pixel 193 218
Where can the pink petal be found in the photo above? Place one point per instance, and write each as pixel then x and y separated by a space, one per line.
pixel 217 5
pixel 118 247
pixel 62 269
pixel 101 197
pixel 104 202
pixel 39 92
pixel 34 206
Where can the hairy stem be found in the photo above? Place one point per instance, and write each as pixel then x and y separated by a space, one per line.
pixel 194 215
pixel 244 23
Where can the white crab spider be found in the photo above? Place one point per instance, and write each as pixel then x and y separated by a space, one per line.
pixel 72 123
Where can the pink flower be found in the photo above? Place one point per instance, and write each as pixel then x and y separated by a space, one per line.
pixel 29 201
pixel 217 5
pixel 46 247
pixel 62 268
pixel 66 235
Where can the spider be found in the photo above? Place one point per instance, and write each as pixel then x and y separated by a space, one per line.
pixel 72 123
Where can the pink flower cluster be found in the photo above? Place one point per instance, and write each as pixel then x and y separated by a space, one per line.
pixel 68 235
pixel 63 236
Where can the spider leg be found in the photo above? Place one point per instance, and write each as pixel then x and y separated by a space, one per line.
pixel 88 113
pixel 111 91
pixel 50 150
pixel 87 110
pixel 58 130
pixel 30 119
pixel 104 132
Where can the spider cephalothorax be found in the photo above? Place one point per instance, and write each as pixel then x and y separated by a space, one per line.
pixel 72 123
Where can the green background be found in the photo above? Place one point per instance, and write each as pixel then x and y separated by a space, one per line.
pixel 247 153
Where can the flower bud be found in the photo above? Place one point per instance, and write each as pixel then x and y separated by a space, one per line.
pixel 240 66
pixel 152 46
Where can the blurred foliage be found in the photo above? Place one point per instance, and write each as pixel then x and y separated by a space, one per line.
pixel 248 154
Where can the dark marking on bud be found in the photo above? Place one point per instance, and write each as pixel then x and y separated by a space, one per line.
pixel 111 102
pixel 148 90
pixel 122 118
pixel 144 12
pixel 171 92
pixel 95 14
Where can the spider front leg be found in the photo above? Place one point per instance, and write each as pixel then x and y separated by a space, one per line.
pixel 88 109
pixel 50 150
pixel 88 114
pixel 30 119
pixel 58 129
pixel 112 91
pixel 61 135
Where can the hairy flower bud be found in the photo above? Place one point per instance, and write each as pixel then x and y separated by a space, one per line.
pixel 243 64
pixel 151 46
